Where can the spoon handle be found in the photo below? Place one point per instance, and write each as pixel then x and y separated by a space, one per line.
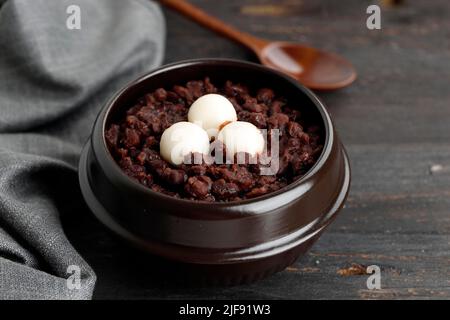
pixel 215 24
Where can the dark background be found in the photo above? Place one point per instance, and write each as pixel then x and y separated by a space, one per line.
pixel 394 121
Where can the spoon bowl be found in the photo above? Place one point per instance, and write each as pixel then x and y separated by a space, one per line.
pixel 313 68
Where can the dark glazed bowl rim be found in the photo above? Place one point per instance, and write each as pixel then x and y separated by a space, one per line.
pixel 119 174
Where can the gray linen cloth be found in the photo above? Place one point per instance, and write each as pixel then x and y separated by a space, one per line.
pixel 53 81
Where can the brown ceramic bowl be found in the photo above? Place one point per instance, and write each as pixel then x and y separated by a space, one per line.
pixel 226 242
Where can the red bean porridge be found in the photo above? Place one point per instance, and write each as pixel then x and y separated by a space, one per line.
pixel 134 143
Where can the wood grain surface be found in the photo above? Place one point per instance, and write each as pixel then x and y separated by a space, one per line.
pixel 394 121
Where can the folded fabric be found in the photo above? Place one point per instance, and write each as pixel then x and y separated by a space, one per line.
pixel 54 78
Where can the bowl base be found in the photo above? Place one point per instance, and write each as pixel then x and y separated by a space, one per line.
pixel 226 274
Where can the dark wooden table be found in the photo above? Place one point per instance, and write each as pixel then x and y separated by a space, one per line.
pixel 395 123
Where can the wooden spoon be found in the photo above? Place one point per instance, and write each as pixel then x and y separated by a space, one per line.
pixel 313 68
